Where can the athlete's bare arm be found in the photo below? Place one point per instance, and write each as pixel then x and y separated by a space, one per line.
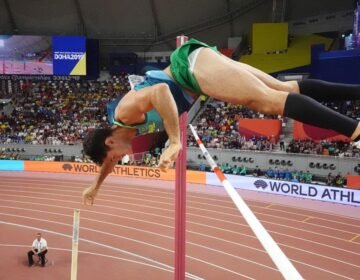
pixel 134 105
pixel 106 168
pixel 131 109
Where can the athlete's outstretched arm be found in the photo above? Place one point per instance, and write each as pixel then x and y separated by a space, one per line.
pixel 90 193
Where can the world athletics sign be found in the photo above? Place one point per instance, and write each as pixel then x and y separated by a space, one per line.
pixel 306 190
pixel 310 191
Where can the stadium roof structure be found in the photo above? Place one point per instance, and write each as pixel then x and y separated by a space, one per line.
pixel 135 23
pixel 141 25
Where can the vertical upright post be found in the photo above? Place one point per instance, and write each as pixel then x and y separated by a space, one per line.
pixel 75 245
pixel 180 194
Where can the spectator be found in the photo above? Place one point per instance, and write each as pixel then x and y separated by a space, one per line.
pixel 276 173
pixel 308 177
pixel 330 180
pixel 202 167
pixel 257 171
pixel 281 174
pixel 282 145
pixel 339 180
pixel 270 173
pixel 236 170
pixel 295 176
pixel 301 177
pixel 242 170
pixel 287 175
pixel 39 248
pixel 202 100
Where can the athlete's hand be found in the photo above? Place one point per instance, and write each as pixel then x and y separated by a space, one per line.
pixel 169 156
pixel 89 195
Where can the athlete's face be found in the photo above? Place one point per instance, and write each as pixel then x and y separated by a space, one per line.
pixel 118 147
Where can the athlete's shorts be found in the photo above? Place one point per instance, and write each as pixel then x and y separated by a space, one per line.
pixel 182 69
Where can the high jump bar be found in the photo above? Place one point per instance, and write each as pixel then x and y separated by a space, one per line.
pixel 286 268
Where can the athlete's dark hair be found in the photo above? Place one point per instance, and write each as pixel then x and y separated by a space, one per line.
pixel 94 144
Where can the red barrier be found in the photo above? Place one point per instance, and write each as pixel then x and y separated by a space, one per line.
pixel 305 131
pixel 260 127
pixel 148 142
pixel 227 52
pixel 353 182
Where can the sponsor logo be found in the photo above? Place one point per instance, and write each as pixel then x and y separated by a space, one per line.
pixel 67 167
pixel 303 190
pixel 68 55
pixel 132 171
pixel 291 188
pixel 260 184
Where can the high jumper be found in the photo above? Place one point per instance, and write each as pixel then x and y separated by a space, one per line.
pixel 196 68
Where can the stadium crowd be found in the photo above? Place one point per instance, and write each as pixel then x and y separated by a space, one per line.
pixel 332 148
pixel 218 125
pixel 58 112
pixel 149 159
pixel 61 112
pixel 296 176
pixel 348 108
pixel 287 175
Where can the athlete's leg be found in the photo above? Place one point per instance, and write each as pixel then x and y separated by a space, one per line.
pixel 224 80
pixel 316 89
pixel 327 91
pixel 270 81
pixel 221 79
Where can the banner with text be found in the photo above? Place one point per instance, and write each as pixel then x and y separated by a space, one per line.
pixel 195 177
pixel 69 55
pixel 309 191
pixel 42 55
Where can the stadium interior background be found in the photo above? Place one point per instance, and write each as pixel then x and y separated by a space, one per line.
pixel 45 110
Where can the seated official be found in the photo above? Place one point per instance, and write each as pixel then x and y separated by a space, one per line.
pixel 257 171
pixel 39 248
pixel 270 173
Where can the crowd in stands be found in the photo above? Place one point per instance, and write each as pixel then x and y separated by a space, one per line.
pixel 149 159
pixel 277 174
pixel 42 158
pixel 336 180
pixel 287 175
pixel 213 138
pixel 59 112
pixel 218 125
pixel 348 108
pixel 332 148
pixel 236 170
pixel 12 156
pixel 296 176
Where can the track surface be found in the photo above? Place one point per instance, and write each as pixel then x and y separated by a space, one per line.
pixel 129 234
